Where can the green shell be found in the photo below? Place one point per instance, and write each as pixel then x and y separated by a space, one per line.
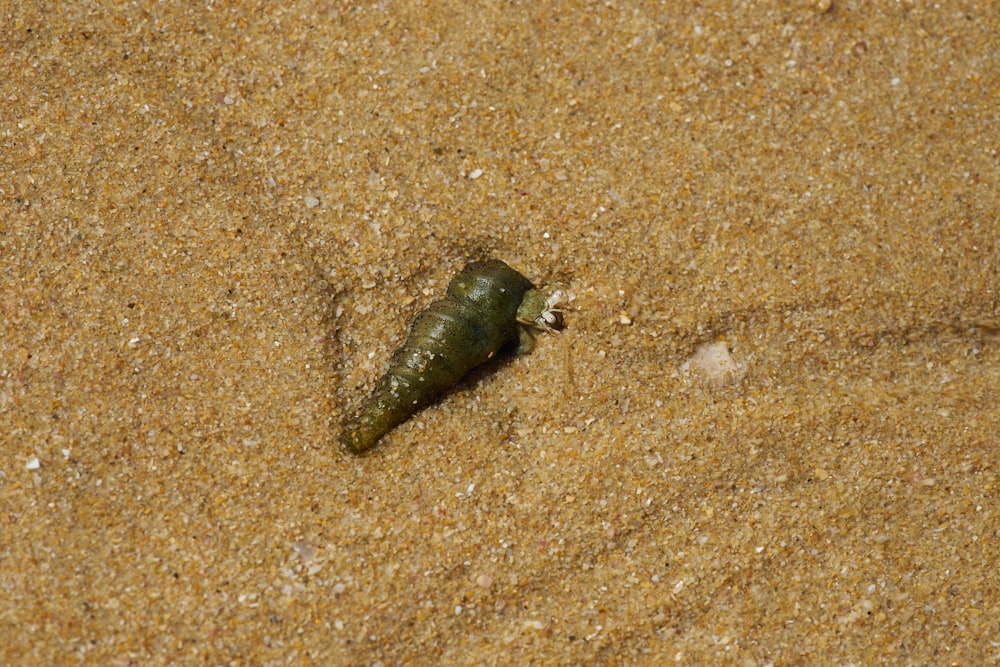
pixel 478 317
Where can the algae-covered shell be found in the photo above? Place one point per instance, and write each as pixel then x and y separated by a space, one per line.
pixel 488 305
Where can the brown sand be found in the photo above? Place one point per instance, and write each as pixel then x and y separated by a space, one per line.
pixel 768 434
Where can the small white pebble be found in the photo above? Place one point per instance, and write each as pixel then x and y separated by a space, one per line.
pixel 484 580
pixel 895 81
pixel 311 202
pixel 305 550
pixel 33 463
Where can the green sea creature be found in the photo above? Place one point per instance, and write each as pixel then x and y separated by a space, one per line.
pixel 488 305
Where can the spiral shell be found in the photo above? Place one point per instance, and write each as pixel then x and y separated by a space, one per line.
pixel 488 305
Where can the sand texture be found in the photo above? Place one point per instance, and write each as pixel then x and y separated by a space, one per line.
pixel 768 434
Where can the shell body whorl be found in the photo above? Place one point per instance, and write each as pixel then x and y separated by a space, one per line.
pixel 447 340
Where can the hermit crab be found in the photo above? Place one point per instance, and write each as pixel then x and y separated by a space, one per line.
pixel 488 305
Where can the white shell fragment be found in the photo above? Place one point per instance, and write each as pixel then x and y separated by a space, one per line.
pixel 714 363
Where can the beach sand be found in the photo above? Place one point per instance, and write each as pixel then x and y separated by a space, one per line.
pixel 768 434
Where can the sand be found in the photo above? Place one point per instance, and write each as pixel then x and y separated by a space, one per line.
pixel 767 434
